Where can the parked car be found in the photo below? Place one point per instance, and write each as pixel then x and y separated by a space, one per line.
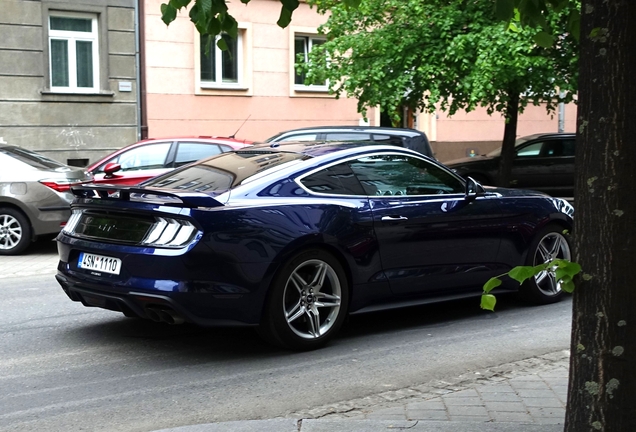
pixel 35 196
pixel 292 239
pixel 543 162
pixel 407 138
pixel 149 158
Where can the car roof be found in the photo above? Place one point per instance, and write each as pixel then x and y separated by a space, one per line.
pixel 371 129
pixel 321 148
pixel 548 135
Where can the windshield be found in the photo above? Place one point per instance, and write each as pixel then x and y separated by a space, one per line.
pixel 518 142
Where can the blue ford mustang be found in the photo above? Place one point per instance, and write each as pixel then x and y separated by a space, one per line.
pixel 291 238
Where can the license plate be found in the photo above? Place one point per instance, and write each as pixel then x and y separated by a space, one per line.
pixel 99 263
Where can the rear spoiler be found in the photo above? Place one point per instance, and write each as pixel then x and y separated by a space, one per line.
pixel 148 194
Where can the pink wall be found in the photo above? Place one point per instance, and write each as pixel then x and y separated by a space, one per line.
pixel 177 104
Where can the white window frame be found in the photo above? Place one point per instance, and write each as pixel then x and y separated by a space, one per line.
pixel 219 84
pixel 308 45
pixel 72 37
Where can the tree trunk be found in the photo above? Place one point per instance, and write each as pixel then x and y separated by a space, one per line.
pixel 508 144
pixel 602 387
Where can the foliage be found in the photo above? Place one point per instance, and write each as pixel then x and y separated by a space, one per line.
pixel 211 17
pixel 438 54
pixel 536 13
pixel 564 272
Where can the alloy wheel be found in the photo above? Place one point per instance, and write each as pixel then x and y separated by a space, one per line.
pixel 312 299
pixel 552 246
pixel 10 232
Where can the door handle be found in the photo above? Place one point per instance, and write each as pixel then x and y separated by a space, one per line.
pixel 393 218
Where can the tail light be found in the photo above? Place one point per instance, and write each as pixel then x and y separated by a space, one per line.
pixel 61 185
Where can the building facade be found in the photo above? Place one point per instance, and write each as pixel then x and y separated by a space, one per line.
pixel 253 91
pixel 80 79
pixel 68 76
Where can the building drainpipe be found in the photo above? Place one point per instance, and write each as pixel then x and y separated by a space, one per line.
pixel 562 114
pixel 140 59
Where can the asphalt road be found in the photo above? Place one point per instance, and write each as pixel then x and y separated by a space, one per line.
pixel 64 367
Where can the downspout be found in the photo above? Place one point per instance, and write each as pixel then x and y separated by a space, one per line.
pixel 140 60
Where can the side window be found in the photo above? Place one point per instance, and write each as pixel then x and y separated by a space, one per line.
pixel 221 68
pixel 390 175
pixel 531 150
pixel 388 140
pixel 74 52
pixel 336 180
pixel 302 46
pixel 302 137
pixel 568 147
pixel 347 136
pixel 150 156
pixel 552 148
pixel 189 152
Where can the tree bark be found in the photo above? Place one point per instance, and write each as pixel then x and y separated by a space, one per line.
pixel 509 139
pixel 602 386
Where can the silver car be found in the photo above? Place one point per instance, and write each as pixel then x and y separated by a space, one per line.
pixel 35 196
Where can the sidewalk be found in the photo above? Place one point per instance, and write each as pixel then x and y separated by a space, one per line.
pixel 523 396
pixel 39 259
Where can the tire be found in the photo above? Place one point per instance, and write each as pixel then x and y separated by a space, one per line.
pixel 550 243
pixel 307 302
pixel 15 231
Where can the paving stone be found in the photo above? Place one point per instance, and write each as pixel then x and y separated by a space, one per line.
pixel 536 393
pixel 426 415
pixel 463 394
pixel 497 388
pixel 506 406
pixel 467 411
pixel 471 419
pixel 539 412
pixel 515 417
pixel 500 397
pixel 463 401
pixel 431 404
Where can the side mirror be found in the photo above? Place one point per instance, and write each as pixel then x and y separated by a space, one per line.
pixel 472 188
pixel 111 168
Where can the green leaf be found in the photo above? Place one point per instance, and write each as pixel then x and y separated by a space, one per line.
pixel 178 4
pixel 544 39
pixel 352 3
pixel 491 284
pixel 521 273
pixel 574 24
pixel 168 13
pixel 504 9
pixel 488 302
pixel 214 27
pixel 222 44
pixel 230 26
pixel 285 18
pixel 568 286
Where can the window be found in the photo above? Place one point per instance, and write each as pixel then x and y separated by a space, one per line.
pixel 221 68
pixel 190 152
pixel 531 150
pixel 74 53
pixel 337 180
pixel 150 156
pixel 303 137
pixel 302 46
pixel 391 175
pixel 347 136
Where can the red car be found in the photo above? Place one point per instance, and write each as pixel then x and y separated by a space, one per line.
pixel 149 158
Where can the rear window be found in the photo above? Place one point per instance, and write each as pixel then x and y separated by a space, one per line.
pixel 225 171
pixel 31 158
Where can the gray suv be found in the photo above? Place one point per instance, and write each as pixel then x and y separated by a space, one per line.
pixel 408 138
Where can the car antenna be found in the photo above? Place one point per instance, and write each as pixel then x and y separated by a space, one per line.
pixel 234 134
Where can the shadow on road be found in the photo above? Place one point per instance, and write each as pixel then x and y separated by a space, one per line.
pixel 196 345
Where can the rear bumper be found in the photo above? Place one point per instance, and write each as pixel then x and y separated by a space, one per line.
pixel 201 309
